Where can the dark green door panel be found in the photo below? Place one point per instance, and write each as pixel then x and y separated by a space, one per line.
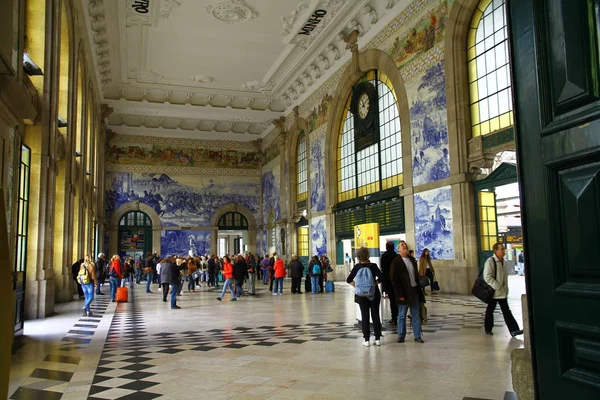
pixel 556 83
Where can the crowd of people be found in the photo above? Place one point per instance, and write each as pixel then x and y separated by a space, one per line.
pixel 239 274
pixel 403 280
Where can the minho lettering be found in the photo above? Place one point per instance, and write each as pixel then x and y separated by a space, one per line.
pixel 141 6
pixel 312 22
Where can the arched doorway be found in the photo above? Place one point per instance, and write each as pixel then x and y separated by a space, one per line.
pixel 135 235
pixel 233 236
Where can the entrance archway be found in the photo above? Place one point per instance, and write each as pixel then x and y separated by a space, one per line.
pixel 134 206
pixel 235 228
pixel 487 211
pixel 135 235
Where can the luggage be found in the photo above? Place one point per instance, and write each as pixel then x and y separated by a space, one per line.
pixel 122 295
pixel 329 287
pixel 424 281
pixel 307 285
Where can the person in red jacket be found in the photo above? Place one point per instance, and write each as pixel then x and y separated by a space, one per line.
pixel 115 273
pixel 279 274
pixel 228 275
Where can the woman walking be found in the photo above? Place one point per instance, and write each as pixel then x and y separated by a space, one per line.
pixel 426 269
pixel 367 281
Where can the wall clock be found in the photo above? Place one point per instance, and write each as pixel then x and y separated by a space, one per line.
pixel 364 107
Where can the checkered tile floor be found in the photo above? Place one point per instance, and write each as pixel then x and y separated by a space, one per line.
pixel 129 365
pixel 48 384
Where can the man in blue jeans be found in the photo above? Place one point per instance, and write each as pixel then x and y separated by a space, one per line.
pixel 171 273
pixel 404 276
pixel 149 269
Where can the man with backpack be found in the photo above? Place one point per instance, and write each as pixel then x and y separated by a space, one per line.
pixel 365 277
pixel 315 270
pixel 404 276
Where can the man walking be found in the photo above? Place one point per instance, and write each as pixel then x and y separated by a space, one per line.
pixel 149 269
pixel 100 271
pixel 495 276
pixel 405 279
pixel 386 262
pixel 296 271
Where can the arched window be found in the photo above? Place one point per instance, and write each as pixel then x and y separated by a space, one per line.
pixel 489 69
pixel 233 221
pixel 302 178
pixel 135 218
pixel 379 166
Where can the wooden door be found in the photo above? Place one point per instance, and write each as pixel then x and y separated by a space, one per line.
pixel 556 71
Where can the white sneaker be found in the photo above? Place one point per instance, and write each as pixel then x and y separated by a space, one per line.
pixel 274 294
pixel 378 343
pixel 366 344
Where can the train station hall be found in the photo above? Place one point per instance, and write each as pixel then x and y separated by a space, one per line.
pixel 309 199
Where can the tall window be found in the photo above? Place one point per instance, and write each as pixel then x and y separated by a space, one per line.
pixel 23 209
pixel 379 166
pixel 303 241
pixel 302 190
pixel 489 69
pixel 135 218
pixel 488 225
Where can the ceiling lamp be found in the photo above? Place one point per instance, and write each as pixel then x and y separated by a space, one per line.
pixel 61 122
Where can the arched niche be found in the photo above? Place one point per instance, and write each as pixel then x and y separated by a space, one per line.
pixel 113 228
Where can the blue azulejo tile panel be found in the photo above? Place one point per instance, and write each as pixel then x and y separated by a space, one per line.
pixel 429 126
pixel 271 195
pixel 318 235
pixel 181 199
pixel 317 174
pixel 433 223
pixel 193 243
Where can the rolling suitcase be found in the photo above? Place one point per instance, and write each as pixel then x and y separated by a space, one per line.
pixel 329 287
pixel 122 295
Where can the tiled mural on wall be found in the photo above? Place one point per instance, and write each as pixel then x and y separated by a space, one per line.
pixel 187 243
pixel 423 35
pixel 181 200
pixel 318 236
pixel 271 195
pixel 158 154
pixel 433 223
pixel 429 126
pixel 317 174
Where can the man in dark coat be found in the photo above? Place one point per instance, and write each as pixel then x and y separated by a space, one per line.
pixel 296 271
pixel 386 261
pixel 172 276
pixel 75 271
pixel 405 279
pixel 100 271
pixel 240 274
pixel 212 270
pixel 165 276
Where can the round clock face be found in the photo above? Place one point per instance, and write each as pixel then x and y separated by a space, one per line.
pixel 363 106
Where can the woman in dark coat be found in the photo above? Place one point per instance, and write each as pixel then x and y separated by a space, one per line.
pixel 296 272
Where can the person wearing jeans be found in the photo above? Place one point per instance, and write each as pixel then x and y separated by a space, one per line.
pixel 115 273
pixel 495 276
pixel 279 274
pixel 228 274
pixel 88 288
pixel 174 291
pixel 404 276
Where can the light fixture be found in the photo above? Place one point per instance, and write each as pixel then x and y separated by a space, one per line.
pixel 88 173
pixel 77 153
pixel 61 122
pixel 30 67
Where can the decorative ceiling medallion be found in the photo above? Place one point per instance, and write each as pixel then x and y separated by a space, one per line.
pixel 258 86
pixel 232 11
pixel 204 79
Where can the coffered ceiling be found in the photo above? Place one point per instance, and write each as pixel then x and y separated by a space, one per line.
pixel 216 69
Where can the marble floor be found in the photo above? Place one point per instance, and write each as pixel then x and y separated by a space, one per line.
pixel 260 347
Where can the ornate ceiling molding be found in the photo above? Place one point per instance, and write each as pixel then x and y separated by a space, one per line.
pixel 166 6
pixel 289 20
pixel 232 11
pixel 97 17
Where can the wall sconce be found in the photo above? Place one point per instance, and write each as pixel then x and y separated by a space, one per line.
pixel 30 67
pixel 61 122
pixel 77 153
pixel 88 173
